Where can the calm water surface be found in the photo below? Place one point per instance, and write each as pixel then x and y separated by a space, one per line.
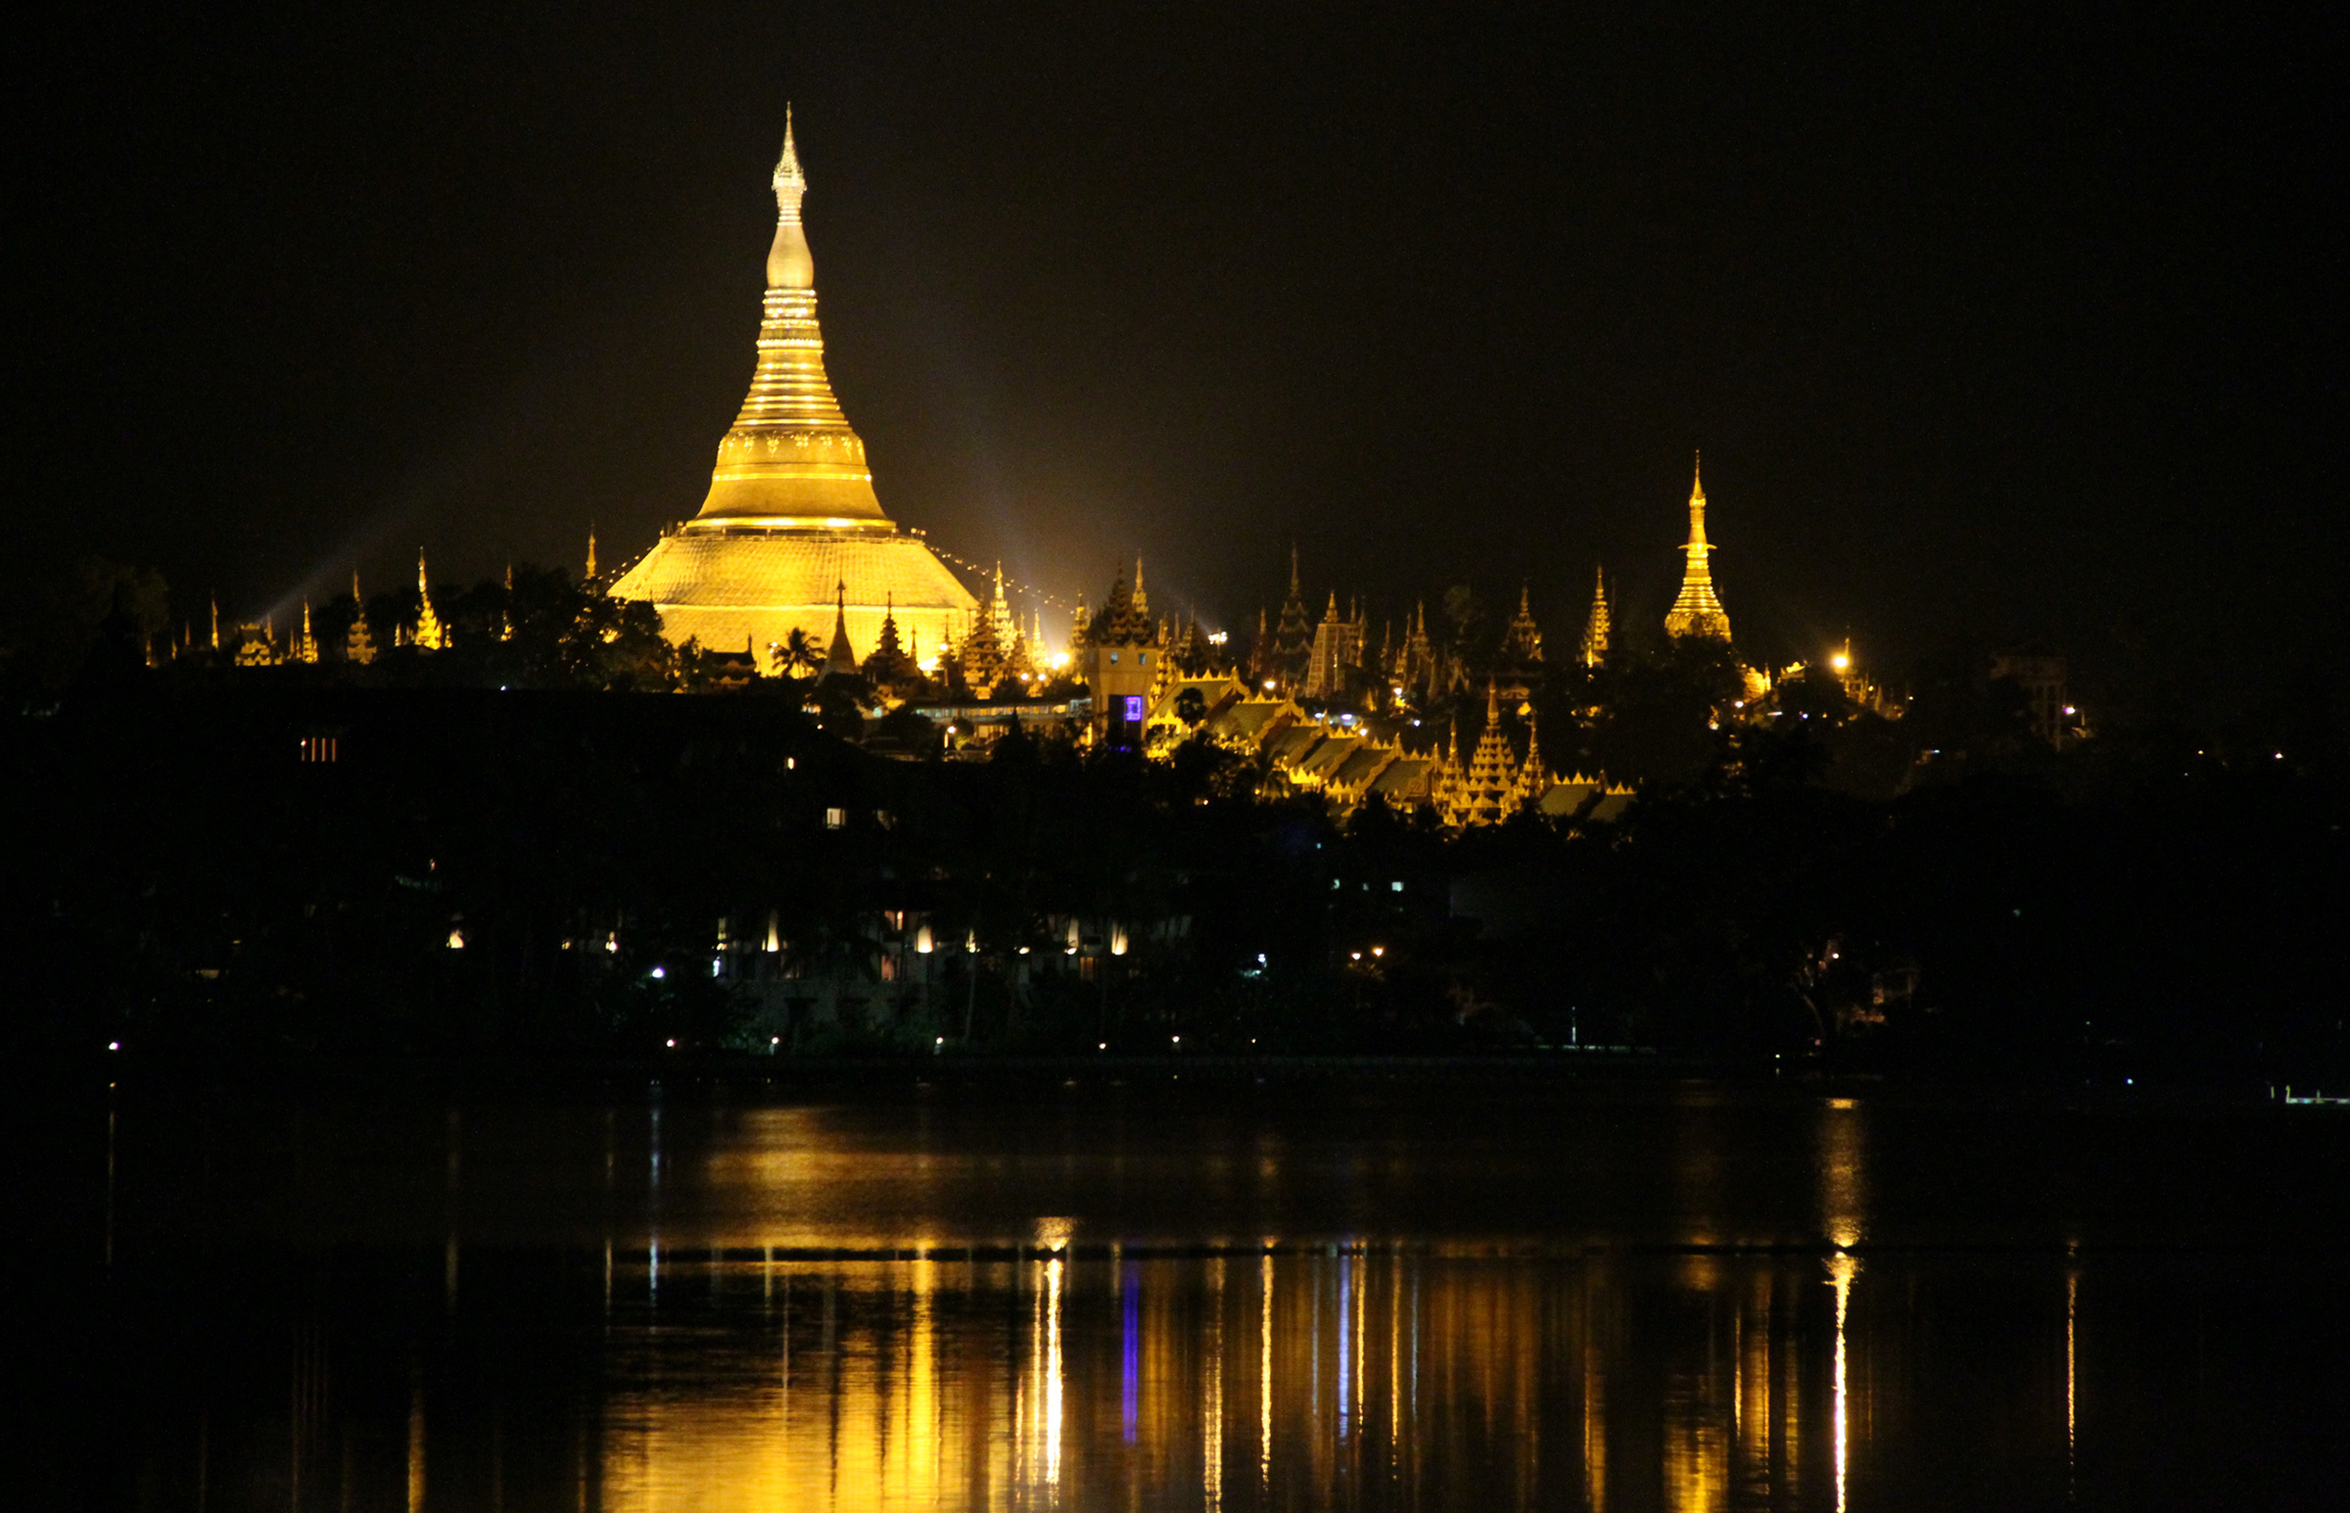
pixel 1442 1295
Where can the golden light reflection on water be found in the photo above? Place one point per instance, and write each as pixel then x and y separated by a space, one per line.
pixel 1071 1379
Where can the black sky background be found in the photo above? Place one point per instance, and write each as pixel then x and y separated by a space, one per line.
pixel 1990 325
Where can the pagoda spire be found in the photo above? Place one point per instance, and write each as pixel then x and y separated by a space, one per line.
pixel 591 557
pixel 1524 640
pixel 430 633
pixel 1698 611
pixel 359 646
pixel 791 459
pixel 306 647
pixel 1142 603
pixel 789 265
pixel 1595 629
pixel 840 657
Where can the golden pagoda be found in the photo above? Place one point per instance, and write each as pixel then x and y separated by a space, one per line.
pixel 1595 629
pixel 359 645
pixel 1698 611
pixel 791 510
pixel 430 633
pixel 305 645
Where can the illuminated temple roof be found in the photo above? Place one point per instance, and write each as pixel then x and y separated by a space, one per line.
pixel 791 511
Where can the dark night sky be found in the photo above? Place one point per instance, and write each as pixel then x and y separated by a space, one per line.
pixel 1989 327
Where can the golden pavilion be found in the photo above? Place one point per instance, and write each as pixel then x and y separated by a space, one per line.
pixel 791 536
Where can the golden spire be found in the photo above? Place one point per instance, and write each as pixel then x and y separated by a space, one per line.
pixel 1142 603
pixel 1595 629
pixel 789 265
pixel 791 460
pixel 430 634
pixel 840 657
pixel 359 646
pixel 306 646
pixel 216 617
pixel 591 562
pixel 1698 611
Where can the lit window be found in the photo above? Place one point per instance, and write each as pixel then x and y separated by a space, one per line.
pixel 1395 887
pixel 836 819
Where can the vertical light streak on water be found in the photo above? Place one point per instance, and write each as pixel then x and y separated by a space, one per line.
pixel 1265 1371
pixel 1129 1352
pixel 1052 1385
pixel 2072 1304
pixel 1394 1366
pixel 1346 1293
pixel 653 1213
pixel 1738 1378
pixel 925 1456
pixel 1594 1399
pixel 416 1440
pixel 1362 1301
pixel 1841 1271
pixel 1211 1407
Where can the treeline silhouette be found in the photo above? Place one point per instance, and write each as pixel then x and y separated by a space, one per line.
pixel 264 865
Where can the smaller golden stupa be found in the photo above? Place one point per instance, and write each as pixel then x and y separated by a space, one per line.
pixel 1698 611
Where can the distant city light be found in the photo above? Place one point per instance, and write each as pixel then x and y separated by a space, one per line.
pixel 1840 661
pixel 660 972
pixel 1218 638
pixel 114 1045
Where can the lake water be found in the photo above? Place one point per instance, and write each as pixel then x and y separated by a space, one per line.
pixel 1140 1293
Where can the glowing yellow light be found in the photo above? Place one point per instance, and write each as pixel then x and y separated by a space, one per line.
pixel 1840 661
pixel 1841 1271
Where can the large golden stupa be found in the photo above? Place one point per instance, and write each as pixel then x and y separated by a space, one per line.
pixel 791 534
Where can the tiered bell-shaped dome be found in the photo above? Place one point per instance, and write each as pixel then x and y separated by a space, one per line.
pixel 791 535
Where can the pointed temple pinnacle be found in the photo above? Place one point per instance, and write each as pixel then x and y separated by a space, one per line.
pixel 789 265
pixel 1698 611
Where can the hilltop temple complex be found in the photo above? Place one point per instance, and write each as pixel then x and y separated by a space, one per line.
pixel 791 536
pixel 791 567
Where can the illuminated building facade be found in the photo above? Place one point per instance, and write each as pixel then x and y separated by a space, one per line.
pixel 791 511
pixel 1120 657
